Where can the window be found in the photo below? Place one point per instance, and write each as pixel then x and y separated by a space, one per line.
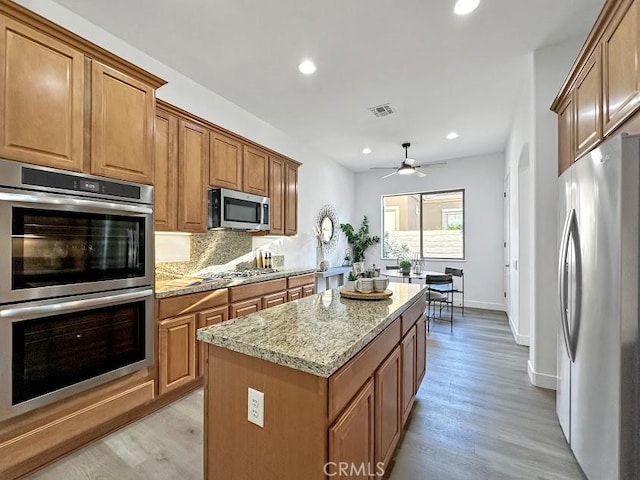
pixel 430 224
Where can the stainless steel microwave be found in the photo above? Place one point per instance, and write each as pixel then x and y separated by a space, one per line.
pixel 237 210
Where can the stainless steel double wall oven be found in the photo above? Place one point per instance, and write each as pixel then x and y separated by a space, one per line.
pixel 76 276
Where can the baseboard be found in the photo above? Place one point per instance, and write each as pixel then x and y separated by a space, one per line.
pixel 482 305
pixel 541 380
pixel 520 339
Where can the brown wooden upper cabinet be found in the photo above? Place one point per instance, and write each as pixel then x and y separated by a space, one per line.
pixel 277 194
pixel 166 171
pixel 291 198
pixel 225 169
pixel 255 171
pixel 193 159
pixel 621 68
pixel 42 122
pixel 566 143
pixel 588 104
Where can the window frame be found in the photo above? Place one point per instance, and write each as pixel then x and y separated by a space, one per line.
pixel 422 194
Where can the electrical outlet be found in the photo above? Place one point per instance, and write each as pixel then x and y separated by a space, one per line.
pixel 255 407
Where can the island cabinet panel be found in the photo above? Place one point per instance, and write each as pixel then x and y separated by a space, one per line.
pixel 294 294
pixel 344 384
pixel 274 299
pixel 276 195
pixel 239 309
pixel 122 123
pixel 621 66
pixel 408 348
pixel 176 352
pixel 41 122
pixel 421 352
pixel 351 438
pixel 388 415
pixel 256 171
pixel 291 198
pixel 566 135
pixel 292 445
pixel 166 172
pixel 193 158
pixel 411 316
pixel 205 319
pixel 225 167
pixel 588 98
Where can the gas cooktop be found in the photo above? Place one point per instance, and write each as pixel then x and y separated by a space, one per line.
pixel 238 273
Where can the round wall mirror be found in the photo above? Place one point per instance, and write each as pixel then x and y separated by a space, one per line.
pixel 328 224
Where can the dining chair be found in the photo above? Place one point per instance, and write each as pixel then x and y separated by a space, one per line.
pixel 451 289
pixel 434 283
pixel 457 272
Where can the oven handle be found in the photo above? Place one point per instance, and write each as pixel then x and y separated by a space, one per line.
pixel 74 202
pixel 65 307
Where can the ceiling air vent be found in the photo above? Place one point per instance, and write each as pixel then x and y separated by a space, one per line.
pixel 382 110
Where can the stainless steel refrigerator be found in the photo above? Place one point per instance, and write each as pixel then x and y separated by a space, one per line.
pixel 598 363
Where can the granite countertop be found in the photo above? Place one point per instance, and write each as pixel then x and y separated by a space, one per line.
pixel 316 334
pixel 165 289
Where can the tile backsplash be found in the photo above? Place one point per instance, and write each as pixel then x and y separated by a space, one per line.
pixel 215 247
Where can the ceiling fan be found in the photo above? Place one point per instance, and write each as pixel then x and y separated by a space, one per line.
pixel 407 167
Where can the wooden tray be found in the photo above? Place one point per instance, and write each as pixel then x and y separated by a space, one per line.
pixel 365 296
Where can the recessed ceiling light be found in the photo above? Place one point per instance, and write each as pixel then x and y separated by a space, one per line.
pixel 464 7
pixel 366 151
pixel 307 67
pixel 452 136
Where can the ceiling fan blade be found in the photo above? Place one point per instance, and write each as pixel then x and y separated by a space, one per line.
pixel 420 174
pixel 383 168
pixel 429 165
pixel 390 174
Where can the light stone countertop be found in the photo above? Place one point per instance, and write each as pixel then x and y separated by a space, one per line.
pixel 316 334
pixel 165 290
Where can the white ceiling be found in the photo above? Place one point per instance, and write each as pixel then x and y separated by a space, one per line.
pixel 439 71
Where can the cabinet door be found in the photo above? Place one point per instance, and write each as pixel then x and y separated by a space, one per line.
pixel 421 351
pixel 225 168
pixel 206 318
pixel 245 307
pixel 308 290
pixel 351 438
pixel 256 171
pixel 122 118
pixel 621 67
pixel 166 172
pixel 388 424
pixel 274 299
pixel 177 352
pixel 42 98
pixel 408 372
pixel 566 143
pixel 588 98
pixel 193 158
pixel 294 294
pixel 291 199
pixel 276 195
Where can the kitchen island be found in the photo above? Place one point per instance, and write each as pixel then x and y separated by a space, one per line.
pixel 338 379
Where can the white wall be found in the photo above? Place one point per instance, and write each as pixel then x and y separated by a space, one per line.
pixel 482 179
pixel 321 180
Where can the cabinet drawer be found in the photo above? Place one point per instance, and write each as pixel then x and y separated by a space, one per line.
pixel 412 314
pixel 301 280
pixel 294 294
pixel 258 289
pixel 246 307
pixel 308 290
pixel 193 303
pixel 344 384
pixel 274 299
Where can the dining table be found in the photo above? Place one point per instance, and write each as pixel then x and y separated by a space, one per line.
pixel 409 276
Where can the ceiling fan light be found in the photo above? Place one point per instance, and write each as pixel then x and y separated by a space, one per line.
pixel 464 7
pixel 406 170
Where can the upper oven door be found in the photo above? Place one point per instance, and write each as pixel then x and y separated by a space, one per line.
pixel 55 245
pixel 244 211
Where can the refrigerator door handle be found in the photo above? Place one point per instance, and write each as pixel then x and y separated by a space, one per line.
pixel 574 235
pixel 562 281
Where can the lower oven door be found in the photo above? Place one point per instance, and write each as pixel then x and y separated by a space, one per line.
pixel 52 349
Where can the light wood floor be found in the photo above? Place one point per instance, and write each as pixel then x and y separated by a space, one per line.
pixel 476 417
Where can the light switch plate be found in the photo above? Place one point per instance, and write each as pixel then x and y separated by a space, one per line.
pixel 255 407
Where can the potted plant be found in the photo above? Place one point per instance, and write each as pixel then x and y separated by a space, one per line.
pixel 350 285
pixel 359 239
pixel 405 266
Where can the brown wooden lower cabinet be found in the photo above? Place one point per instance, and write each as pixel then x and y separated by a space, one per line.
pixel 308 290
pixel 205 319
pixel 388 417
pixel 421 351
pixel 245 307
pixel 294 294
pixel 408 349
pixel 274 299
pixel 176 352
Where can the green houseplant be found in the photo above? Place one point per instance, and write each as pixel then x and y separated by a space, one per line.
pixel 359 239
pixel 405 266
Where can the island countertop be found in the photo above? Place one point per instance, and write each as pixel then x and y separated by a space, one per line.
pixel 316 334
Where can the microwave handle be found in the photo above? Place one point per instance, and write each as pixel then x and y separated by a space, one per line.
pixel 72 202
pixel 57 308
